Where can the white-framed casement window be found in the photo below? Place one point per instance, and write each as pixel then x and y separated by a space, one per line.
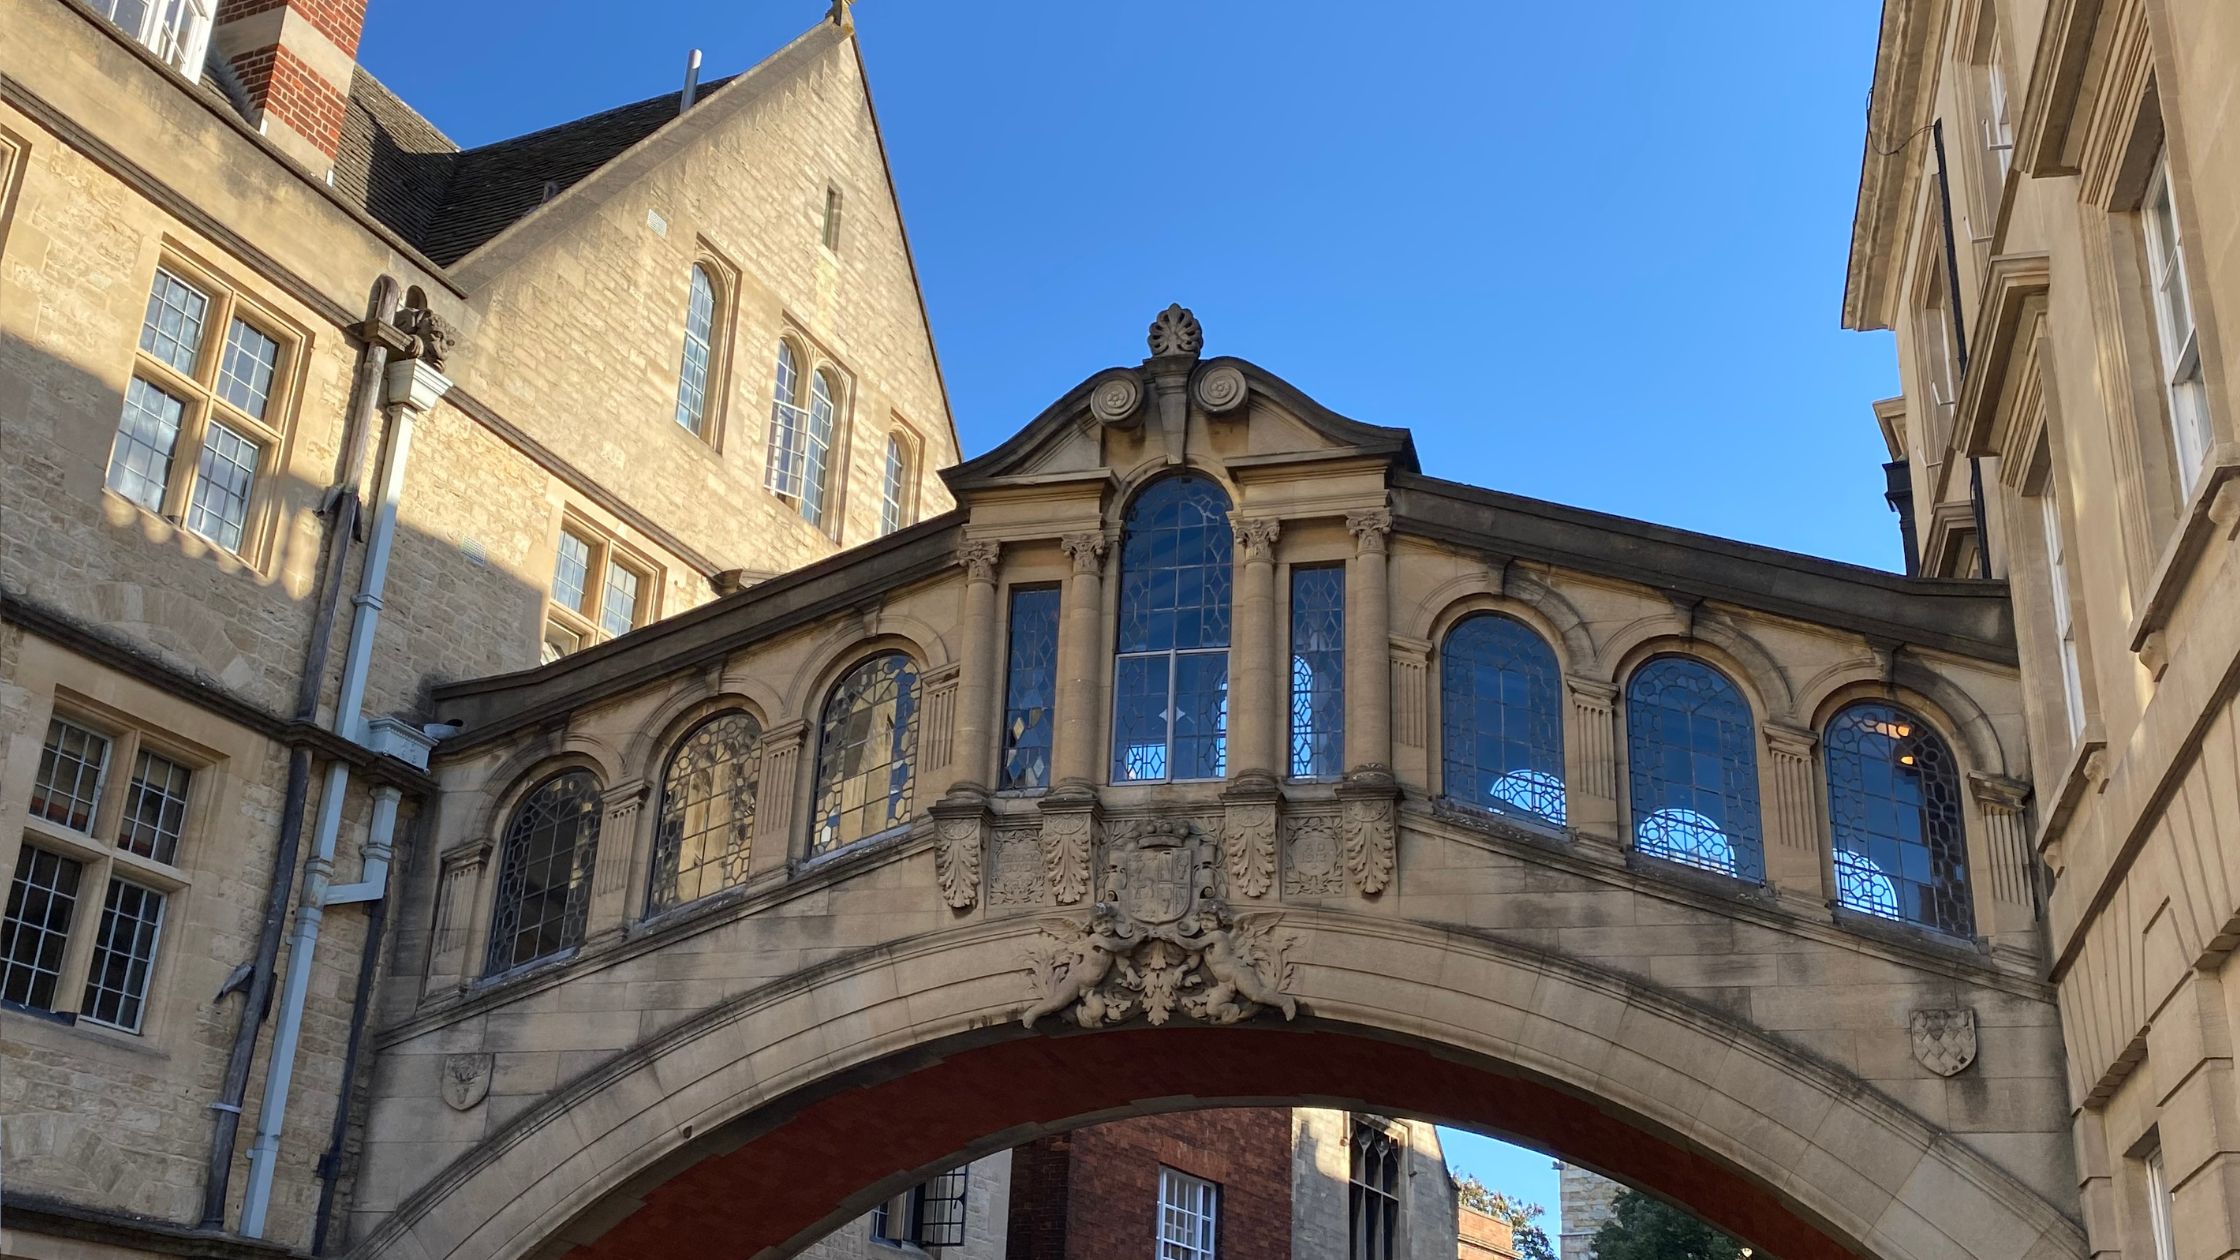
pixel 1994 120
pixel 1189 1216
pixel 600 590
pixel 176 30
pixel 2159 1207
pixel 895 485
pixel 2178 341
pixel 2064 610
pixel 96 874
pixel 204 410
pixel 699 376
pixel 802 456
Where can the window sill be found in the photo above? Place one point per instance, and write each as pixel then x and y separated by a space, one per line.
pixel 68 1033
pixel 524 971
pixel 685 912
pixel 1973 949
pixel 1700 878
pixel 170 531
pixel 2209 511
pixel 854 848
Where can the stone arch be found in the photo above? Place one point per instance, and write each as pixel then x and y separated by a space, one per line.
pixel 1134 481
pixel 1522 596
pixel 1915 685
pixel 1771 1142
pixel 848 646
pixel 648 749
pixel 1711 639
pixel 531 764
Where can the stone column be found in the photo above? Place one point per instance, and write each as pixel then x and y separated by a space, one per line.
pixel 1255 694
pixel 1796 865
pixel 775 841
pixel 1077 737
pixel 1590 790
pixel 616 861
pixel 1368 798
pixel 979 691
pixel 2005 892
pixel 457 925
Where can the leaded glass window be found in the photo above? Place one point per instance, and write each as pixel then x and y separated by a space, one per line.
pixel 1894 808
pixel 867 752
pixel 544 874
pixel 1318 672
pixel 703 837
pixel 893 486
pixel 1030 688
pixel 1501 719
pixel 1372 1192
pixel 71 764
pixel 1170 702
pixel 699 353
pixel 42 899
pixel 1692 768
pixel 124 956
pixel 155 808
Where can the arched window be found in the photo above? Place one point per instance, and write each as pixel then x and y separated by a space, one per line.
pixel 1692 761
pixel 706 826
pixel 893 486
pixel 782 474
pixel 1500 718
pixel 867 752
pixel 544 873
pixel 1894 809
pixel 822 395
pixel 1170 683
pixel 699 354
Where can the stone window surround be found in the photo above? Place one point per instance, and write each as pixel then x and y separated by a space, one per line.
pixel 586 626
pixel 811 357
pixel 912 445
pixel 102 857
pixel 723 328
pixel 1980 55
pixel 228 301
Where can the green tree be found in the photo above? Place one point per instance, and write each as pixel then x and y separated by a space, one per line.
pixel 1643 1228
pixel 1522 1217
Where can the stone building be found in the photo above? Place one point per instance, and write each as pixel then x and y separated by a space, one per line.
pixel 304 410
pixel 2049 222
pixel 1584 1202
pixel 1482 1237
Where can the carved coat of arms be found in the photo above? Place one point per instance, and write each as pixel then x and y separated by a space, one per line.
pixel 1944 1040
pixel 1159 939
pixel 466 1079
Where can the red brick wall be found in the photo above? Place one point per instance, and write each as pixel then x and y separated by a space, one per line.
pixel 342 21
pixel 286 88
pixel 1093 1194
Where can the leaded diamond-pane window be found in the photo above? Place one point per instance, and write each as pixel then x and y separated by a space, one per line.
pixel 706 828
pixel 1171 680
pixel 544 875
pixel 1692 768
pixel 1318 672
pixel 1030 688
pixel 1500 719
pixel 1894 807
pixel 867 753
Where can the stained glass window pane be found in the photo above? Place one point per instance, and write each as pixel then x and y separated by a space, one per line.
pixel 821 412
pixel 172 329
pixel 1500 719
pixel 705 831
pixel 1030 688
pixel 1170 702
pixel 147 436
pixel 699 334
pixel 1691 750
pixel 1318 671
pixel 867 752
pixel 1894 808
pixel 544 875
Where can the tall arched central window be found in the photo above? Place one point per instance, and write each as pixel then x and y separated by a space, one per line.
pixel 705 833
pixel 1692 768
pixel 1500 719
pixel 544 874
pixel 1170 683
pixel 1894 807
pixel 867 752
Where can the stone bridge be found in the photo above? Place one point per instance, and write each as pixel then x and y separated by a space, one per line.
pixel 1250 765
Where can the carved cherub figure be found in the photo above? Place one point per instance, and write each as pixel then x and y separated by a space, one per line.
pixel 1230 962
pixel 1076 974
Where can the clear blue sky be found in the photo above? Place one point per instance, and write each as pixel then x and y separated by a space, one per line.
pixel 1587 252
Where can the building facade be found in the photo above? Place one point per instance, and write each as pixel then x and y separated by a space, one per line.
pixel 2049 223
pixel 1584 1201
pixel 305 409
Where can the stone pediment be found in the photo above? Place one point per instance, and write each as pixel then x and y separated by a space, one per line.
pixel 1175 405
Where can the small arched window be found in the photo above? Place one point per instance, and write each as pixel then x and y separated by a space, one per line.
pixel 1692 763
pixel 698 369
pixel 1501 718
pixel 705 830
pixel 867 752
pixel 781 475
pixel 1170 688
pixel 823 406
pixel 893 485
pixel 1894 809
pixel 544 873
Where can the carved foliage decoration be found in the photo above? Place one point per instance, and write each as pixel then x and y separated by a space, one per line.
pixel 1176 331
pixel 1370 842
pixel 956 860
pixel 1944 1040
pixel 1067 837
pixel 1312 865
pixel 1160 940
pixel 1249 842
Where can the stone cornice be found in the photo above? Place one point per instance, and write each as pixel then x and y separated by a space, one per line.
pixel 1893 156
pixel 2013 301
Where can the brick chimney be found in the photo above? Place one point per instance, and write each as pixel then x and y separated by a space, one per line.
pixel 294 58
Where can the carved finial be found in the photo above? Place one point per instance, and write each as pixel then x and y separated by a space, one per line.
pixel 1176 331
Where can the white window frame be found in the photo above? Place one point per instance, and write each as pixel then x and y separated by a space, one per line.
pixel 2177 332
pixel 104 860
pixel 2064 613
pixel 569 629
pixel 795 445
pixel 178 31
pixel 2159 1206
pixel 895 483
pixel 696 415
pixel 1189 1224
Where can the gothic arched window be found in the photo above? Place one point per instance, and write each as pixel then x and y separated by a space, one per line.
pixel 1501 718
pixel 544 873
pixel 1170 682
pixel 823 407
pixel 1894 809
pixel 867 752
pixel 1692 762
pixel 705 829
pixel 894 486
pixel 781 475
pixel 698 369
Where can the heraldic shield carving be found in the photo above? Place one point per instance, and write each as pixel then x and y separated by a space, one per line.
pixel 1944 1041
pixel 1158 939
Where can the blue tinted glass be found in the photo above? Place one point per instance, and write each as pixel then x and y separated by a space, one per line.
pixel 1318 671
pixel 1500 718
pixel 1692 758
pixel 1030 686
pixel 1894 808
pixel 1170 698
pixel 1139 717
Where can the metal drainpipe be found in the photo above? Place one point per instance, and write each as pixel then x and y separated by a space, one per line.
pixel 365 396
pixel 317 894
pixel 1960 344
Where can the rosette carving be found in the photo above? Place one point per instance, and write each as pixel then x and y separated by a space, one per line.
pixel 1221 388
pixel 1114 399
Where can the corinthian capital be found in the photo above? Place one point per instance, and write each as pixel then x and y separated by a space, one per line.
pixel 1257 535
pixel 979 559
pixel 1370 530
pixel 1087 550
